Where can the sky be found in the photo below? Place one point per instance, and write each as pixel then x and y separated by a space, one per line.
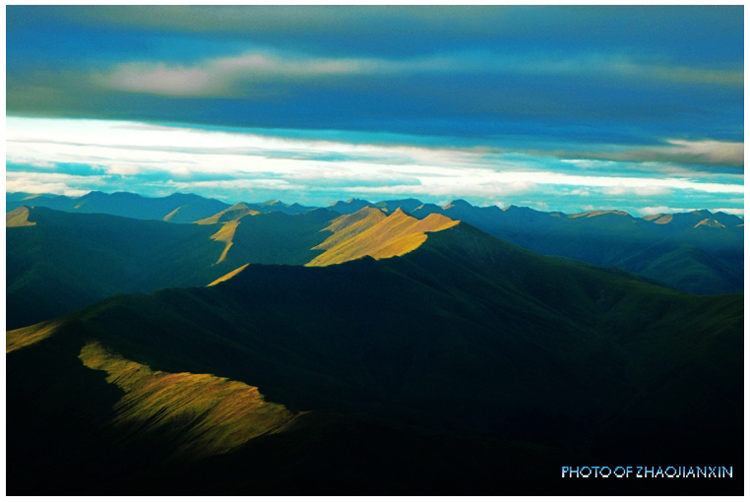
pixel 555 108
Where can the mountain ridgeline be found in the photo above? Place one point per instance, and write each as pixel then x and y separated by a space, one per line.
pixel 58 262
pixel 368 349
pixel 697 252
pixel 465 366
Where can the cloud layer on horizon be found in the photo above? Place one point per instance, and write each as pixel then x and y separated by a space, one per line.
pixel 71 155
pixel 616 106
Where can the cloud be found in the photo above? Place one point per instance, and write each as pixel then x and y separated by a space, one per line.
pixel 647 211
pixel 42 164
pixel 225 76
pixel 123 169
pixel 234 184
pixel 643 191
pixel 542 73
pixel 739 211
pixel 53 183
pixel 231 161
pixel 706 152
pixel 250 73
pixel 650 190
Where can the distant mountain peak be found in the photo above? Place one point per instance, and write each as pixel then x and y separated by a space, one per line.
pixel 593 214
pixel 350 206
pixel 92 194
pixel 458 203
pixel 239 205
pixel 184 196
pixel 709 223
pixel 519 209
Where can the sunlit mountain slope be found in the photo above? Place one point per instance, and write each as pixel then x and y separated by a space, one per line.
pixel 465 341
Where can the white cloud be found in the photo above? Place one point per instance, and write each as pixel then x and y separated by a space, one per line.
pixel 123 169
pixel 710 151
pixel 617 190
pixel 266 183
pixel 54 183
pixel 669 210
pixel 232 74
pixel 195 156
pixel 650 190
pixel 647 211
pixel 739 211
pixel 226 75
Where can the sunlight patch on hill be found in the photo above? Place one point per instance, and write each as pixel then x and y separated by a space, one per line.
pixel 231 213
pixel 225 235
pixel 18 218
pixel 214 414
pixel 228 276
pixel 384 237
pixel 19 338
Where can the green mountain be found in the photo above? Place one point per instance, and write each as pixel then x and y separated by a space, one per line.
pixel 65 261
pixel 58 262
pixel 466 366
pixel 350 206
pixel 710 246
pixel 176 208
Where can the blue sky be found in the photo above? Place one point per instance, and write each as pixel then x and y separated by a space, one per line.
pixel 551 107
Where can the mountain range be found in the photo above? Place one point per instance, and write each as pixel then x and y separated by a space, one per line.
pixel 361 349
pixel 697 252
pixel 520 362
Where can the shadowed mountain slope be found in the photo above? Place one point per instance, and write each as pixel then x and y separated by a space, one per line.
pixel 58 262
pixel 466 344
pixel 66 261
pixel 407 205
pixel 279 238
pixel 604 238
pixel 614 238
pixel 350 206
pixel 175 208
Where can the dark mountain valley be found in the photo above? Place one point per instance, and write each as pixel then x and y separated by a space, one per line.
pixel 184 346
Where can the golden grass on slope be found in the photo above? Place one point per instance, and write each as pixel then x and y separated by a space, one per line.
pixel 225 235
pixel 347 226
pixel 663 220
pixel 394 235
pixel 211 415
pixel 592 214
pixel 709 222
pixel 231 213
pixel 172 214
pixel 19 217
pixel 23 337
pixel 228 276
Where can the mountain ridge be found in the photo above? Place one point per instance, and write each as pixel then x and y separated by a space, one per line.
pixel 454 338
